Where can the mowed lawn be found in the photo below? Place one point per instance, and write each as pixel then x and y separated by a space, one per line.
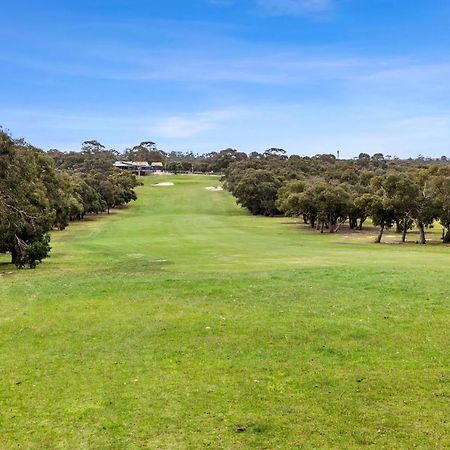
pixel 183 322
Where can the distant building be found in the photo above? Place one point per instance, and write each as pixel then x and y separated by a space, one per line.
pixel 157 166
pixel 139 168
pixel 123 165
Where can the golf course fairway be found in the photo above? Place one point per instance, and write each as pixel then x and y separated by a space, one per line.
pixel 183 322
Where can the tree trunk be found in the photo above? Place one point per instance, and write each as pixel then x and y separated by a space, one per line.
pixel 421 228
pixel 321 226
pixel 330 225
pixel 339 225
pixel 398 226
pixel 380 234
pixel 14 255
pixel 361 221
pixel 405 230
pixel 446 239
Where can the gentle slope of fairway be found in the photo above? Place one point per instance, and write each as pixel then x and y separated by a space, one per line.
pixel 184 322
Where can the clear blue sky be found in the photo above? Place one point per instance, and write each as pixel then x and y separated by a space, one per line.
pixel 311 76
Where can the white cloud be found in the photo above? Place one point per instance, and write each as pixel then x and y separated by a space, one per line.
pixel 305 128
pixel 253 65
pixel 286 7
pixel 177 127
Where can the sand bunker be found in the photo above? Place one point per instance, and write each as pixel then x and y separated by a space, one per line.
pixel 168 183
pixel 214 188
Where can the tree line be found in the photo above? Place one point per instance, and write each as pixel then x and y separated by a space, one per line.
pixel 147 151
pixel 326 192
pixel 42 191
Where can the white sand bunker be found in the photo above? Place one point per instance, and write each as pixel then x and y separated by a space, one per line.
pixel 167 183
pixel 214 188
pixel 136 255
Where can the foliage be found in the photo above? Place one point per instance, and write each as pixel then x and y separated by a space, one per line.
pixel 257 191
pixel 36 196
pixel 145 151
pixel 440 189
pixel 28 193
pixel 174 167
pixel 35 251
pixel 328 192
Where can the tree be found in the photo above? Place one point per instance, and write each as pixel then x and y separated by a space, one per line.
pixel 92 146
pixel 332 203
pixel 96 157
pixel 277 153
pixel 288 199
pixel 360 209
pixel 257 191
pixel 440 187
pixel 327 192
pixel 124 184
pixel 401 195
pixel 146 151
pixel 115 189
pixel 382 214
pixel 26 201
pixel 175 167
pixel 90 199
pixel 222 160
pixel 364 157
pixel 318 201
pixel 35 197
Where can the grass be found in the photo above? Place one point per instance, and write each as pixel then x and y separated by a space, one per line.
pixel 183 322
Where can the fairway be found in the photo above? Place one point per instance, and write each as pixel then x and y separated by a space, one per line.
pixel 183 322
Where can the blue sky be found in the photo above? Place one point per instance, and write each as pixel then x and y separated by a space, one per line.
pixel 310 76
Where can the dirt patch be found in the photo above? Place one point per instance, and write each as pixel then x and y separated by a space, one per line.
pixel 214 188
pixel 167 183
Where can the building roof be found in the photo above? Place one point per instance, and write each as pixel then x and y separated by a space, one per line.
pixel 136 164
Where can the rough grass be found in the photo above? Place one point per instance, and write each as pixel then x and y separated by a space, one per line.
pixel 183 322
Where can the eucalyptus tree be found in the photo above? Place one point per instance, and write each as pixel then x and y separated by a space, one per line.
pixel 289 200
pixel 257 191
pixel 146 151
pixel 381 213
pixel 27 196
pixel 440 186
pixel 401 195
pixel 321 203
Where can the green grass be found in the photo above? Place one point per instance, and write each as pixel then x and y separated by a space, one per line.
pixel 183 322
